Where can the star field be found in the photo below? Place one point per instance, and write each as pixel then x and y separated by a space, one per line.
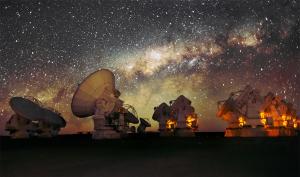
pixel 157 50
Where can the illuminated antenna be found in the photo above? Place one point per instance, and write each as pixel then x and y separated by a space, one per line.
pixel 97 96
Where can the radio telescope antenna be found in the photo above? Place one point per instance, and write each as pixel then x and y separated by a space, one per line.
pixel 177 119
pixel 20 124
pixel 99 85
pixel 28 111
pixel 97 96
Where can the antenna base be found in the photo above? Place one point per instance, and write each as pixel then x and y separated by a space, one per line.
pixel 106 134
pixel 101 130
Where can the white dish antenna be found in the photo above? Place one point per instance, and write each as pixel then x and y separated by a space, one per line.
pixel 97 96
pixel 97 85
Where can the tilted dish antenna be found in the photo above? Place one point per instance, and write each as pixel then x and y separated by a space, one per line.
pixel 97 96
pixel 100 84
pixel 31 109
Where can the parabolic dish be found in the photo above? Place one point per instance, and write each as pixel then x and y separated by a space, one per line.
pixel 26 108
pixel 92 87
pixel 53 118
pixel 144 122
pixel 129 117
pixel 163 109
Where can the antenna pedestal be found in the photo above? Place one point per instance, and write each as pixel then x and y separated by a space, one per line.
pixel 141 129
pixel 54 132
pixel 181 124
pixel 163 131
pixel 162 125
pixel 101 130
pixel 182 130
pixel 143 125
pixel 44 129
pixel 17 127
pixel 162 128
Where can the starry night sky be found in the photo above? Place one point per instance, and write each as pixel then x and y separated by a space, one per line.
pixel 157 50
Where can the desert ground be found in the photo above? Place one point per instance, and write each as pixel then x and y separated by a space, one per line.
pixel 207 155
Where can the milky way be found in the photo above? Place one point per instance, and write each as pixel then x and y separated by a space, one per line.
pixel 157 50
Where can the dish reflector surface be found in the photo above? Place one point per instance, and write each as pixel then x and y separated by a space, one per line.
pixel 26 108
pixel 54 118
pixel 92 87
pixel 162 110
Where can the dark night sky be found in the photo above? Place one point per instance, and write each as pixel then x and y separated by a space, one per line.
pixel 157 49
